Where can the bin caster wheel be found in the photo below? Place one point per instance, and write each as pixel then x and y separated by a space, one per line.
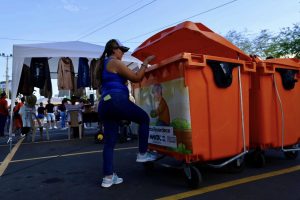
pixel 193 176
pixel 292 155
pixel 258 159
pixel 237 166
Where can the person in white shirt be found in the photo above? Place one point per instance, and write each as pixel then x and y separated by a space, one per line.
pixel 28 114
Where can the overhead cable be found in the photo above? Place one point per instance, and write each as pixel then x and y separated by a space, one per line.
pixel 118 19
pixel 112 16
pixel 201 13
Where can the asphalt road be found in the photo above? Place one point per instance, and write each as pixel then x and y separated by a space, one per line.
pixel 72 169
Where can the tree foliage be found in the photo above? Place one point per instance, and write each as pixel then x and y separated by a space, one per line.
pixel 286 43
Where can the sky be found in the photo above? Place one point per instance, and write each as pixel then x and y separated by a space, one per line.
pixel 132 21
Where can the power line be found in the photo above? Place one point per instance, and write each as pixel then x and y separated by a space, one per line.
pixel 102 27
pixel 110 17
pixel 201 13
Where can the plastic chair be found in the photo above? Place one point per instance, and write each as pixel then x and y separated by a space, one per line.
pixel 74 122
pixel 36 125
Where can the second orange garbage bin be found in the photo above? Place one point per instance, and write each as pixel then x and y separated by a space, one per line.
pixel 274 107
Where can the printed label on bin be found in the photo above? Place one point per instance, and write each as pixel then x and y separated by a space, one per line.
pixel 162 135
pixel 167 104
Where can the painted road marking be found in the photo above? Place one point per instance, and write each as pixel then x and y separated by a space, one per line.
pixel 230 184
pixel 48 141
pixel 9 156
pixel 69 154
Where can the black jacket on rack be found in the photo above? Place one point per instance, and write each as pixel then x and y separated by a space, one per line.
pixel 25 84
pixel 83 79
pixel 39 71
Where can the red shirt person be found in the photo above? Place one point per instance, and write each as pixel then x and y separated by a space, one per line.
pixel 3 113
pixel 17 118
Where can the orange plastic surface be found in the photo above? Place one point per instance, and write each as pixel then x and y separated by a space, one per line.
pixel 188 37
pixel 215 112
pixel 265 111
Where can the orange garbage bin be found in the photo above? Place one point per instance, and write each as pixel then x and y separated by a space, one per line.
pixel 274 108
pixel 197 97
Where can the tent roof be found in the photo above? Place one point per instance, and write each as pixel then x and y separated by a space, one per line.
pixel 64 49
pixel 58 49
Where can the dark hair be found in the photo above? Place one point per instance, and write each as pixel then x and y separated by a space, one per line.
pixel 108 51
pixel 3 94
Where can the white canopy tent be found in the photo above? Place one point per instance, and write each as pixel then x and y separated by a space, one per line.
pixel 73 49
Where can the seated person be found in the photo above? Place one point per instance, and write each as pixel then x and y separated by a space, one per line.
pixel 41 113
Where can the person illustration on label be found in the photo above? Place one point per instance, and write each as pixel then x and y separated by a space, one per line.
pixel 161 110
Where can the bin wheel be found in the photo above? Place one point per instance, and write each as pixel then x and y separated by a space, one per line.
pixel 237 166
pixel 193 176
pixel 99 137
pixel 292 155
pixel 258 159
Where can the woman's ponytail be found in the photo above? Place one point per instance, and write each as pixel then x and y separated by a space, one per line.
pixel 100 62
pixel 99 69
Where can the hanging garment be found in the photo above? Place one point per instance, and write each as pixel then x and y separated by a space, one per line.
pixel 46 91
pixel 25 85
pixel 84 79
pixel 78 92
pixel 39 70
pixel 65 78
pixel 94 81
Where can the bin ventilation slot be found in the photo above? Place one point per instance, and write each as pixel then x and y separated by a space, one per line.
pixel 288 78
pixel 222 72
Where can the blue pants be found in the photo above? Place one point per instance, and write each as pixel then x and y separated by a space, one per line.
pixel 63 119
pixel 111 112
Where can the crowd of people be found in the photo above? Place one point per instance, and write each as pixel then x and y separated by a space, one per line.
pixel 49 116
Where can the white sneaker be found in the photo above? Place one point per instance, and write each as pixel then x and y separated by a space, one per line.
pixel 146 157
pixel 55 127
pixel 23 135
pixel 50 128
pixel 107 182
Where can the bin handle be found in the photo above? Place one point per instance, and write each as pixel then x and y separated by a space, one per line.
pixel 242 107
pixel 282 119
pixel 228 161
pixel 243 126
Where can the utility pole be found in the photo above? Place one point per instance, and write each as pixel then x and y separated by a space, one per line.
pixel 7 77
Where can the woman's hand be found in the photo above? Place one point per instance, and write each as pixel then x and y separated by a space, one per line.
pixel 148 59
pixel 127 73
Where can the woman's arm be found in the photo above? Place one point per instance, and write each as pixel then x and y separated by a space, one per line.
pixel 116 66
